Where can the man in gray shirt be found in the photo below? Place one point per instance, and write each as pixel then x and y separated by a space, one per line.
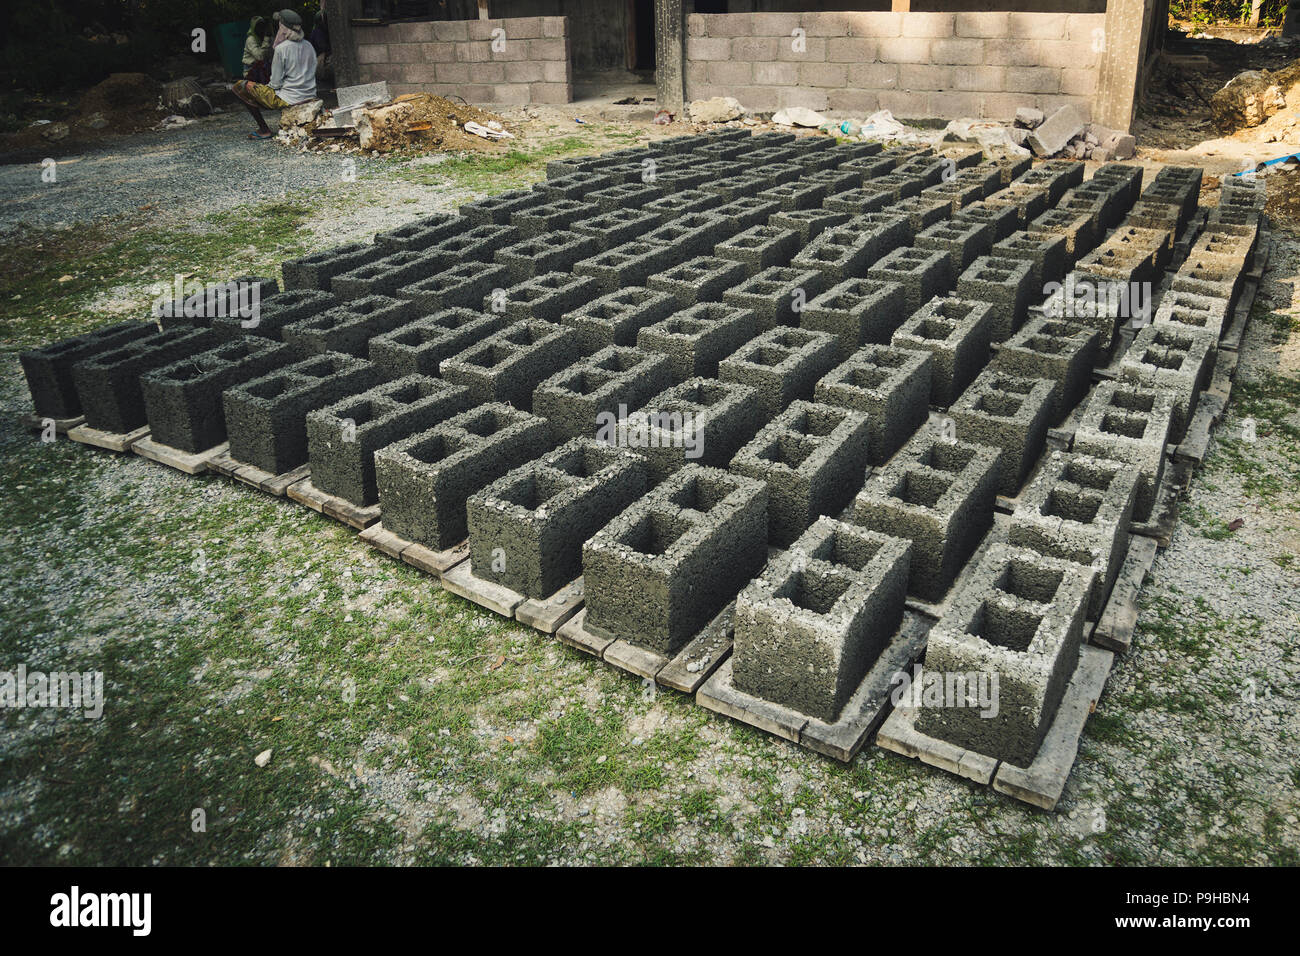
pixel 293 75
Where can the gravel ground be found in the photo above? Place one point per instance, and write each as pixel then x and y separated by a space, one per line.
pixel 226 623
pixel 180 174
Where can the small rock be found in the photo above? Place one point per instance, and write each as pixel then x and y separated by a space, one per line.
pixel 263 758
pixel 719 109
pixel 1027 117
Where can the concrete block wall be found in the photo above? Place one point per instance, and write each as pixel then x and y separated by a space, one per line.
pixel 917 65
pixel 528 63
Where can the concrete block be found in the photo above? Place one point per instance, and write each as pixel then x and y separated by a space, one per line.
pixel 107 382
pixel 497 210
pixel 1019 620
pixel 508 365
pixel 1077 229
pixel 781 365
pixel 857 312
pixel 759 247
pixel 1044 251
pixel 1176 360
pixel 549 297
pixel 812 458
pixel 956 334
pixel 425 480
pixel 615 228
pixel 316 270
pixel 349 326
pixel 1126 422
pixel 420 234
pixel 890 385
pixel 697 338
pixel 776 295
pixel 1007 412
pixel 577 400
pixel 551 252
pixel 938 495
pixel 462 286
pixel 922 273
pixel 701 279
pixel 631 263
pixel 552 216
pixel 275 315
pixel 48 369
pixel 809 629
pixel 342 438
pixel 418 347
pixel 617 317
pixel 661 570
pixel 1194 311
pixel 1004 220
pixel 962 240
pixel 1053 133
pixel 1078 509
pixel 807 224
pixel 921 211
pixel 183 400
pixel 1005 285
pixel 1051 349
pixel 266 417
pixel 527 529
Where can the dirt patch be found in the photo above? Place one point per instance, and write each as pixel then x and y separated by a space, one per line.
pixel 1284 196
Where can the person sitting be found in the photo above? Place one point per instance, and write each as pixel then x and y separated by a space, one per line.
pixel 293 75
pixel 257 50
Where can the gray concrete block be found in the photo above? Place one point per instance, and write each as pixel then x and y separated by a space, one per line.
pixel 661 570
pixel 508 365
pixel 1052 349
pixel 549 297
pixel 616 318
pixel 315 271
pixel 956 333
pixel 1126 422
pixel 1178 360
pixel 551 252
pixel 890 385
pixel 48 369
pixel 349 326
pixel 696 339
pixel 418 347
pixel 939 495
pixel 922 273
pixel 1005 285
pixel 593 391
pixel 809 629
pixel 527 528
pixel 857 312
pixel 1019 620
pixel 701 279
pixel 425 480
pixel 1009 412
pixel 812 458
pixel 781 365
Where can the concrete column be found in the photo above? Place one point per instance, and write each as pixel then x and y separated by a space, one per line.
pixel 1121 62
pixel 343 43
pixel 670 55
pixel 1291 26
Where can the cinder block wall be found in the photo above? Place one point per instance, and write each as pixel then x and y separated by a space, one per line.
pixel 457 56
pixel 916 65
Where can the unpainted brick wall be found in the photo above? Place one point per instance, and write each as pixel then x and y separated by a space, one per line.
pixel 531 64
pixel 916 65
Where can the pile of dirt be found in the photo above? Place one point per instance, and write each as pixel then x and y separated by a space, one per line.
pixel 414 120
pixel 123 103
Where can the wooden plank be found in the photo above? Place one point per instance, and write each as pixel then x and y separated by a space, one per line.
pixel 1043 781
pixel 332 506
pixel 1240 318
pixel 549 614
pixel 576 635
pixel 460 579
pixel 1114 630
pixel 39 423
pixel 635 659
pixel 278 485
pixel 378 536
pixel 189 463
pixel 872 701
pixel 717 694
pixel 694 664
pixel 899 734
pixel 1164 513
pixel 110 441
pixel 434 562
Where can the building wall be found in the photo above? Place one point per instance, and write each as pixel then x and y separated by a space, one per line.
pixel 456 57
pixel 916 65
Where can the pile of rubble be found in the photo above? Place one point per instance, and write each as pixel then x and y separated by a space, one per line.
pixel 1066 135
pixel 367 118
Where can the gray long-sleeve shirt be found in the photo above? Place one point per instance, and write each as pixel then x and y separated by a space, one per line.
pixel 293 72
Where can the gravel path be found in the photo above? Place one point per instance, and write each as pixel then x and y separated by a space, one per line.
pixel 185 173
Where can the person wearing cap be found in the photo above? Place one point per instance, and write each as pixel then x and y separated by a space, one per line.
pixel 293 75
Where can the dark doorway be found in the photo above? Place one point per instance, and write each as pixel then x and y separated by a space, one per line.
pixel 710 6
pixel 640 34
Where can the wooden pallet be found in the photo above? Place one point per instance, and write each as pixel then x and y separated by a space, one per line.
pixel 685 671
pixel 862 714
pixel 548 615
pixel 62 426
pixel 1042 782
pixel 1114 630
pixel 460 579
pixel 332 506
pixel 255 477
pixel 195 463
pixel 1164 512
pixel 419 556
pixel 112 441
